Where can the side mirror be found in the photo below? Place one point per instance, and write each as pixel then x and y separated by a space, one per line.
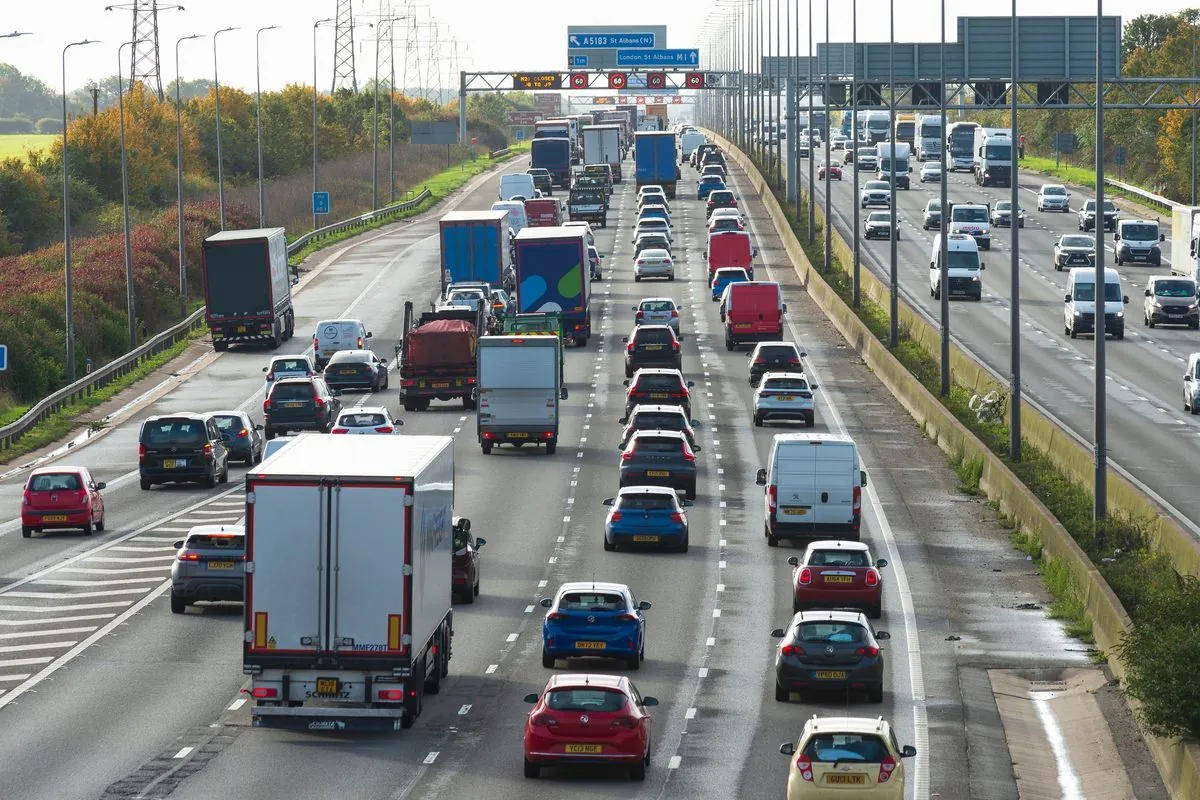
pixel 982 266
pixel 369 334
pixel 1067 298
pixel 258 427
pixel 399 423
pixel 1125 299
pixel 1162 237
pixel 562 395
pixel 623 421
pixel 777 633
pixel 705 254
pixel 178 545
pixel 649 701
pixel 625 383
pixel 479 543
pixel 813 386
pixel 793 561
pixel 100 485
pixel 463 525
pixel 546 602
pixel 908 751
pixel 1187 378
pixel 1116 236
pixel 265 369
pixel 635 308
pixel 531 698
pixel 783 308
pixel 862 477
pixel 643 606
pixel 932 265
pixel 788 749
pixel 760 477
pixel 754 252
pixel 694 423
pixel 608 501
pixel 881 563
pixel 688 503
pixel 690 384
pixel 336 392
pixel 697 448
pixel 882 636
pixel 1147 293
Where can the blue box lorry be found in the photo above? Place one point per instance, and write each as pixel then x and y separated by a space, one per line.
pixel 656 160
pixel 553 275
pixel 475 247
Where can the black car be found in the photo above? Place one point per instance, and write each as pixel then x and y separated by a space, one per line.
pixel 242 437
pixel 300 404
pixel 719 198
pixel 652 346
pixel 541 180
pixel 658 418
pixel 356 369
pixel 774 357
pixel 662 386
pixel 182 448
pixel 659 458
pixel 465 569
pixel 835 650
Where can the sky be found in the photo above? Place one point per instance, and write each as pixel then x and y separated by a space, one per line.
pixel 515 36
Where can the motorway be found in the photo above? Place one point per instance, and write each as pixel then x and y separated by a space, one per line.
pixel 106 694
pixel 1149 433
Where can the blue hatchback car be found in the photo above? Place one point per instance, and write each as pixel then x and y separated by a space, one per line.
pixel 646 515
pixel 588 619
pixel 725 276
pixel 708 184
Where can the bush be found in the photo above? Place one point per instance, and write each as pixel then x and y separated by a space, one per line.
pixel 49 125
pixel 15 125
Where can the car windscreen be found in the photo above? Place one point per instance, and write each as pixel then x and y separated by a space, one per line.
pixel 592 601
pixel 362 420
pixel 1171 288
pixel 880 216
pixel 653 336
pixel 647 502
pixel 933 205
pixel 962 259
pixel 587 195
pixel 657 383
pixel 216 541
pixel 1078 241
pixel 174 433
pixel 658 444
pixel 969 215
pixel 838 558
pixel 658 421
pixel 725 224
pixel 1054 191
pixel 592 700
pixel 292 391
pixel 997 151
pixel 1086 292
pixel 876 185
pixel 1140 233
pixel 846 747
pixel 55 482
pixel 1004 205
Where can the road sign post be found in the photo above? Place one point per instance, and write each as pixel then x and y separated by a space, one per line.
pixel 658 58
pixel 320 203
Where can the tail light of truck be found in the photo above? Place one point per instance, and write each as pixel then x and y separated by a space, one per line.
pixel 265 692
pixel 316 345
pixel 772 498
pixel 547 434
pixel 857 507
pixel 805 576
pixel 489 435
pixel 391 694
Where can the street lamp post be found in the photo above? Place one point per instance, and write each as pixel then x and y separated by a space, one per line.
pixel 825 134
pixel 183 281
pixel 70 288
pixel 944 227
pixel 130 294
pixel 316 25
pixel 375 117
pixel 1014 306
pixel 856 272
pixel 217 105
pixel 894 280
pixel 1100 318
pixel 812 175
pixel 262 219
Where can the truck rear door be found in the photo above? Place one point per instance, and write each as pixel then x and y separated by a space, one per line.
pixel 835 476
pixel 286 537
pixel 369 545
pixel 518 386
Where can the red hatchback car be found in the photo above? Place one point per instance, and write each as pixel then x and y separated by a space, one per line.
pixel 62 497
pixel 838 574
pixel 589 719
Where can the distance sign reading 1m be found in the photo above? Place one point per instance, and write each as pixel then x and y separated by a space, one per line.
pixel 537 80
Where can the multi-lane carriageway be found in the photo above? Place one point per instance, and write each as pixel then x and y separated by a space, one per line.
pixel 104 693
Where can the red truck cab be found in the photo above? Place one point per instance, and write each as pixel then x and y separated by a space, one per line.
pixel 729 249
pixel 543 212
pixel 753 313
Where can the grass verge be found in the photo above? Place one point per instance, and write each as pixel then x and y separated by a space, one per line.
pixel 1143 580
pixel 1078 176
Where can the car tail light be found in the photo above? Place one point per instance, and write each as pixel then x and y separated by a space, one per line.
pixel 264 692
pixel 186 556
pixel 543 719
pixel 627 455
pixel 360 343
pixel 677 517
pixel 25 498
pixel 640 314
pixel 340 430
pixel 391 694
pixel 625 722
pixel 318 401
pixel 384 429
pixel 794 361
pixel 142 451
pixel 266 405
pixel 674 313
pixel 675 344
pixel 243 434
pixel 886 767
pixel 871 651
pixel 760 360
pixel 805 576
pixel 772 498
pixel 630 347
pixel 625 618
pixel 208 450
pixel 689 456
pixel 804 764
pixel 555 615
pixel 614 516
pixel 872 577
pixel 857 507
pixel 270 376
pixel 792 650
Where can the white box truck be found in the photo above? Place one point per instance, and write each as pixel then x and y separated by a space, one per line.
pixel 348 621
pixel 602 145
pixel 893 163
pixel 688 144
pixel 993 156
pixel 520 386
pixel 1185 229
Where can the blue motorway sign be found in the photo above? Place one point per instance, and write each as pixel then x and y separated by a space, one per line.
pixel 320 203
pixel 658 58
pixel 3 357
pixel 579 62
pixel 609 41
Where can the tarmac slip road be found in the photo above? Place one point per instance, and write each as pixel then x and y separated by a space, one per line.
pixel 1149 433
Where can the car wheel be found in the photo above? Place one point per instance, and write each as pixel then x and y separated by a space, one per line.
pixel 475 588
pixel 758 421
pixel 772 541
pixel 1071 332
pixel 468 596
pixel 211 480
pixel 875 611
pixel 1146 322
pixel 609 546
pixel 547 660
pixel 146 485
pixel 532 770
pixel 178 604
pixel 225 472
pixel 683 548
pixel 638 773
pixel 875 693
pixel 782 695
pixel 634 662
pixel 100 524
pixel 26 532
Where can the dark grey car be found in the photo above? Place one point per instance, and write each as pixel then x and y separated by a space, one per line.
pixel 210 565
pixel 829 650
pixel 356 369
pixel 652 346
pixel 182 448
pixel 241 435
pixel 300 404
pixel 774 357
pixel 658 418
pixel 659 458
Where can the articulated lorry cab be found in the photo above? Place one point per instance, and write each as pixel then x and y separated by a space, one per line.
pixel 348 618
pixel 993 162
pixel 248 288
pixel 1185 241
pixel 929 137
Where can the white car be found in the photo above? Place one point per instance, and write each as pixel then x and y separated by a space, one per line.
pixel 654 263
pixel 1191 384
pixel 875 193
pixel 287 367
pixel 652 189
pixel 366 420
pixel 931 172
pixel 784 395
pixel 653 225
pixel 726 212
pixel 1053 197
pixel 657 311
pixel 578 223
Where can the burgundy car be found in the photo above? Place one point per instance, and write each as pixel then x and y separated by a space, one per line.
pixel 837 574
pixel 835 173
pixel 466 567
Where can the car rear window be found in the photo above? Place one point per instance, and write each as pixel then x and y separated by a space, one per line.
pixel 851 747
pixel 56 482
pixel 647 502
pixel 215 541
pixel 228 422
pixel 777 352
pixel 721 196
pixel 839 558
pixel 361 420
pixel 174 432
pixel 658 421
pixel 290 365
pixel 711 179
pixel 348 356
pixel 657 305
pixel 658 383
pixel 292 391
pixel 658 444
pixel 787 383
pixel 585 700
pixel 829 631
pixel 652 336
pixel 592 601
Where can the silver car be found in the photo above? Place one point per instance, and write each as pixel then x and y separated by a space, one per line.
pixel 209 565
pixel 1191 384
pixel 657 311
pixel 366 420
pixel 287 367
pixel 1053 197
pixel 654 263
pixel 784 395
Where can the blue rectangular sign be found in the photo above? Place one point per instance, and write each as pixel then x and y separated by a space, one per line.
pixel 658 58
pixel 3 357
pixel 609 41
pixel 579 62
pixel 320 203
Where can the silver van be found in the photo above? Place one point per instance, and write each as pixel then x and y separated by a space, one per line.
pixel 812 486
pixel 333 335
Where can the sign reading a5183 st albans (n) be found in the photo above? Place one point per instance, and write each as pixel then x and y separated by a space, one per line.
pixel 596 46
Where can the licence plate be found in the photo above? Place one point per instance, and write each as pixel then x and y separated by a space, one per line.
pixel 785 397
pixel 654 347
pixel 589 645
pixel 172 463
pixel 441 385
pixel 795 512
pixel 831 674
pixel 583 748
pixel 347 371
pixel 1175 316
pixel 658 395
pixel 241 328
pixel 518 436
pixel 328 685
pixel 742 325
pixel 220 565
pixel 293 405
pixel 839 579
pixel 55 518
pixel 856 780
pixel 645 538
pixel 658 473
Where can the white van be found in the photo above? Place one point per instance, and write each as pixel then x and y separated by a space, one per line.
pixel 517 184
pixel 964 276
pixel 333 335
pixel 1079 309
pixel 813 486
pixel 517 219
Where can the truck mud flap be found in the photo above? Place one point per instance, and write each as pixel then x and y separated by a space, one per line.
pixel 328 720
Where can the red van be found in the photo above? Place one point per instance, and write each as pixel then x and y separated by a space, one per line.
pixel 753 313
pixel 543 212
pixel 729 249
